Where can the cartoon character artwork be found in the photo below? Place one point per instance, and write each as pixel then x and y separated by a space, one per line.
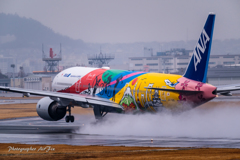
pixel 153 101
pixel 149 99
pixel 156 101
pixel 139 96
pixel 170 84
pixel 96 84
pixel 127 100
pixel 88 91
pixel 115 86
pixel 106 88
pixel 143 102
pixel 128 88
pixel 148 96
pixel 108 85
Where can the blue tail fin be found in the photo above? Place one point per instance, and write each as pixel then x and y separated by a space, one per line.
pixel 198 65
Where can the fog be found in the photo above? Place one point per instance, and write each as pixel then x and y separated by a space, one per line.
pixel 125 21
pixel 217 122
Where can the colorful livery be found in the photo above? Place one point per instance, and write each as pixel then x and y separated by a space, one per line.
pixel 134 90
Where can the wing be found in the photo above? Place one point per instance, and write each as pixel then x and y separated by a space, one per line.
pixel 226 89
pixel 66 99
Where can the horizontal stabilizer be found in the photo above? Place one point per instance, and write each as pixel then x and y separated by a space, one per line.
pixel 183 92
pixel 226 93
pixel 226 90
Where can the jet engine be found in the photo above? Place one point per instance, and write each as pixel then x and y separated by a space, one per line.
pixel 49 109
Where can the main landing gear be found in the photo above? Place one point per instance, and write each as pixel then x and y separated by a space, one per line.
pixel 70 117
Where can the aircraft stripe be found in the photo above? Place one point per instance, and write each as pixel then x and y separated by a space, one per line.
pixel 126 76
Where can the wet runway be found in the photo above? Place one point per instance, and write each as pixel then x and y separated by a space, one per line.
pixel 37 131
pixel 215 128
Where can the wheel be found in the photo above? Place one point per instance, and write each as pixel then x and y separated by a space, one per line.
pixel 67 119
pixel 72 118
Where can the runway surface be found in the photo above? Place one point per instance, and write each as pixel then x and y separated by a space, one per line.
pixel 18 101
pixel 37 131
pixel 216 127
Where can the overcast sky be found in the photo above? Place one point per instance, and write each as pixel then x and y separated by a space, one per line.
pixel 113 21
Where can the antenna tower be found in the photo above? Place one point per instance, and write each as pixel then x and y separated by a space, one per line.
pixel 51 61
pixel 100 59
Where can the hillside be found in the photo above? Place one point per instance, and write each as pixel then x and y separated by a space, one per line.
pixel 17 32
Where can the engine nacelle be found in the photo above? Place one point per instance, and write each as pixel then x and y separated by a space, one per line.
pixel 49 110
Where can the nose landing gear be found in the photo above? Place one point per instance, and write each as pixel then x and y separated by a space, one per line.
pixel 70 117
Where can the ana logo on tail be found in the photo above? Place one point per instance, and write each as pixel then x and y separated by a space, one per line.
pixel 200 48
pixel 198 65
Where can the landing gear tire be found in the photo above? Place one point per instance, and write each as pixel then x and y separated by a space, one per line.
pixel 67 119
pixel 70 117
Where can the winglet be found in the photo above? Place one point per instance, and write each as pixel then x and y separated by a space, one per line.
pixel 198 65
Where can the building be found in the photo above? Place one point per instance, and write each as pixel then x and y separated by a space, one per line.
pixel 221 75
pixel 17 82
pixel 38 82
pixel 222 69
pixel 5 82
pixel 176 61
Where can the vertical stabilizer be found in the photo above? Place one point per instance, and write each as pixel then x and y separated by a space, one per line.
pixel 198 65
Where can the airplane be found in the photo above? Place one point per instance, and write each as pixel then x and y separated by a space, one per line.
pixel 120 91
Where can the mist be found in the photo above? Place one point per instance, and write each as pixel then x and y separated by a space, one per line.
pixel 217 122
